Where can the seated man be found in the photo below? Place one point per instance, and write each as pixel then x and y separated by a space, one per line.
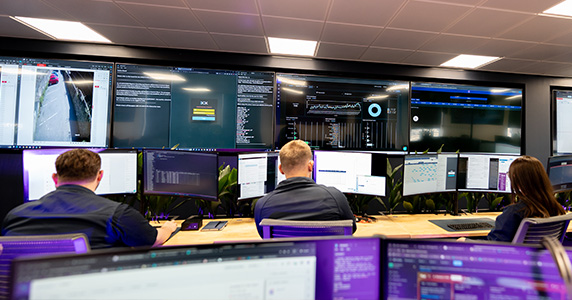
pixel 299 197
pixel 74 208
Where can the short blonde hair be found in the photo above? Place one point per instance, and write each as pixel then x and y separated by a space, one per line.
pixel 294 155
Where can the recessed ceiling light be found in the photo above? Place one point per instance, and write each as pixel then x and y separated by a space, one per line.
pixel 561 9
pixel 292 46
pixel 469 61
pixel 63 30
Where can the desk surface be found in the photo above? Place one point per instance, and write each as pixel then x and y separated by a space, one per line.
pixel 396 226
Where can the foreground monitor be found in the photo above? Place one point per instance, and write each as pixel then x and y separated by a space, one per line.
pixel 429 173
pixel 342 113
pixel 56 103
pixel 180 173
pixel 465 118
pixel 197 109
pixel 119 171
pixel 484 173
pixel 344 268
pixel 560 172
pixel 258 174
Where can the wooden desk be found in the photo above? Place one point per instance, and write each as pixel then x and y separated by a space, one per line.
pixel 395 226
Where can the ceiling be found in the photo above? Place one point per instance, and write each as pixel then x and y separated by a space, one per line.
pixel 411 32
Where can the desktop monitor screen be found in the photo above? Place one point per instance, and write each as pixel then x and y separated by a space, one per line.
pixel 562 123
pixel 181 173
pixel 164 107
pixel 342 113
pixel 465 118
pixel 342 268
pixel 484 173
pixel 432 173
pixel 57 103
pixel 258 174
pixel 119 171
pixel 351 172
pixel 430 269
pixel 560 172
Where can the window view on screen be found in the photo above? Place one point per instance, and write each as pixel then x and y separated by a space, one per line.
pixel 560 172
pixel 258 174
pixel 322 269
pixel 119 171
pixel 342 113
pixel 563 122
pixel 485 173
pixel 185 173
pixel 159 107
pixel 350 172
pixel 447 270
pixel 424 174
pixel 54 103
pixel 465 118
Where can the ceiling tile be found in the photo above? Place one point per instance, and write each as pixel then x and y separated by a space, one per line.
pixel 128 35
pixel 292 28
pixel 295 8
pixel 99 12
pixel 487 22
pixel 328 50
pixel 542 68
pixel 9 27
pixel 349 34
pixel 172 3
pixel 453 44
pixel 502 48
pixel 542 52
pixel 531 6
pixel 187 40
pixel 539 29
pixel 566 70
pixel 230 23
pixel 31 8
pixel 164 17
pixel 465 2
pixel 565 39
pixel 403 39
pixel 428 58
pixel 506 65
pixel 385 55
pixel 239 6
pixel 234 43
pixel 364 12
pixel 427 16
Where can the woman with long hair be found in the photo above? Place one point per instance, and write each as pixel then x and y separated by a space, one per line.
pixel 532 197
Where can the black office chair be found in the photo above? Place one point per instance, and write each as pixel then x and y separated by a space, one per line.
pixel 532 230
pixel 273 228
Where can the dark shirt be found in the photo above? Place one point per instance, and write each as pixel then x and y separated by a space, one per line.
pixel 76 209
pixel 507 223
pixel 300 198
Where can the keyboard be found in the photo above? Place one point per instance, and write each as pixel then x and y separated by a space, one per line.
pixel 470 226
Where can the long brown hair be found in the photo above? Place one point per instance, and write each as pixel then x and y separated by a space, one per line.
pixel 530 184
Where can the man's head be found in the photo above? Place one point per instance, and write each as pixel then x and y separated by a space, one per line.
pixel 78 166
pixel 296 159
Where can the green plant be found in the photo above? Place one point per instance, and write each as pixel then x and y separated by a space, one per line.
pixel 227 189
pixel 497 201
pixel 360 203
pixel 564 199
pixel 473 200
pixel 394 184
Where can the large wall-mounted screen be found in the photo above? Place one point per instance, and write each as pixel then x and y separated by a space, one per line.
pixel 55 103
pixel 465 118
pixel 158 107
pixel 342 113
pixel 562 122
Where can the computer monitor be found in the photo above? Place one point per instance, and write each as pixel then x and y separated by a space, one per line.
pixel 56 103
pixel 342 113
pixel 465 118
pixel 562 123
pixel 258 174
pixel 341 268
pixel 180 173
pixel 195 109
pixel 351 172
pixel 429 173
pixel 560 172
pixel 119 171
pixel 484 173
pixel 431 269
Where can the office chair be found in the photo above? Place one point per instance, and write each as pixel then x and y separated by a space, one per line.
pixel 29 245
pixel 532 230
pixel 273 228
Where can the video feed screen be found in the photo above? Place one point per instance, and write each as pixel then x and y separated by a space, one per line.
pixel 258 174
pixel 54 103
pixel 164 107
pixel 562 122
pixel 119 171
pixel 465 118
pixel 180 173
pixel 484 173
pixel 560 172
pixel 432 173
pixel 342 113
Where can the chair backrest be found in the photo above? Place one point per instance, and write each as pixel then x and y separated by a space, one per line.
pixel 33 245
pixel 532 230
pixel 273 228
